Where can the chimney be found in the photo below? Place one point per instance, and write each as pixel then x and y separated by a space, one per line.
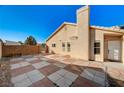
pixel 83 31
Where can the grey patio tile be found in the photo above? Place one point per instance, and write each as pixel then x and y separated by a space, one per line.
pixel 63 78
pixel 62 72
pixel 16 59
pixel 91 70
pixel 99 80
pixel 61 65
pixel 24 64
pixel 44 59
pixel 18 65
pixel 87 74
pixel 100 74
pixel 34 72
pixel 45 63
pixel 23 83
pixel 71 76
pixel 37 65
pixel 63 82
pixel 35 76
pixel 14 66
pixel 54 77
pixel 19 78
pixel 40 64
pixel 30 59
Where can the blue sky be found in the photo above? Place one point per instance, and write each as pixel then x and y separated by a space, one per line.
pixel 18 22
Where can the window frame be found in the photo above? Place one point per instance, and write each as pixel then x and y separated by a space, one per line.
pixel 63 47
pixel 53 44
pixel 97 47
pixel 68 47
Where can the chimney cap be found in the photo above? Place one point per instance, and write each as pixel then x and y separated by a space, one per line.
pixel 83 9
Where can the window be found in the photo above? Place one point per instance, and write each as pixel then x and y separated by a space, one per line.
pixel 68 47
pixel 63 46
pixel 97 47
pixel 53 45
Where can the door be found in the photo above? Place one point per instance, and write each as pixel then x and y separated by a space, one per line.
pixel 114 52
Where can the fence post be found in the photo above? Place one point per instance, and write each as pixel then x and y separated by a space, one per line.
pixel 39 49
pixel 0 50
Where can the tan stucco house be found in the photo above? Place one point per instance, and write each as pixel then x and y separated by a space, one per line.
pixel 80 40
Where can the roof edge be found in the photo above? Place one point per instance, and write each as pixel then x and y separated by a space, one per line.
pixel 64 23
pixel 108 29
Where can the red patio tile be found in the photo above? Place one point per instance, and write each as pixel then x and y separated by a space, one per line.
pixel 82 82
pixel 43 83
pixel 35 61
pixel 52 61
pixel 49 69
pixel 74 69
pixel 22 70
pixel 15 62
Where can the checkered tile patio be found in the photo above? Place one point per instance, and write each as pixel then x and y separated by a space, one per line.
pixel 50 71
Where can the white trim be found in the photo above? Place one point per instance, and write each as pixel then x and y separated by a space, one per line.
pixel 108 29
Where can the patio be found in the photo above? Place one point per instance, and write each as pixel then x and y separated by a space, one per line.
pixel 63 71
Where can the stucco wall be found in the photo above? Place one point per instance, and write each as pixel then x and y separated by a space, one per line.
pixel 99 36
pixel 83 32
pixel 83 46
pixel 122 49
pixel 79 45
pixel 92 40
pixel 63 36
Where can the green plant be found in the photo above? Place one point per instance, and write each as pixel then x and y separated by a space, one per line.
pixel 20 42
pixel 30 41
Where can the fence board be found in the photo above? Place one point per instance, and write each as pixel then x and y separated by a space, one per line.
pixel 14 50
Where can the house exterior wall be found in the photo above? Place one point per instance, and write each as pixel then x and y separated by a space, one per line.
pixel 92 40
pixel 63 36
pixel 83 46
pixel 83 32
pixel 99 35
pixel 122 49
pixel 79 46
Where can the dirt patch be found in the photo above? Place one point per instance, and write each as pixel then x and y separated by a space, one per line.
pixel 5 77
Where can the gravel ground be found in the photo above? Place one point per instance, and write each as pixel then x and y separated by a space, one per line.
pixel 5 73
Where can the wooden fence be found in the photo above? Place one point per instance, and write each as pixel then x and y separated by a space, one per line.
pixel 18 50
